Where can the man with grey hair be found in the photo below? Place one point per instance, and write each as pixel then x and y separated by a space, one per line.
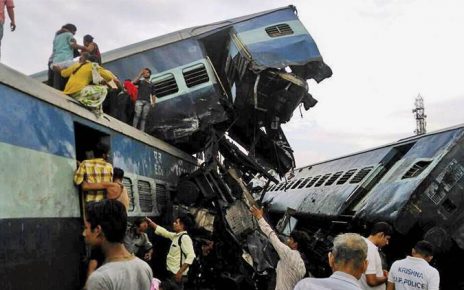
pixel 348 262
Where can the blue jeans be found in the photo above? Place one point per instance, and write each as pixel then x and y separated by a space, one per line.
pixel 141 112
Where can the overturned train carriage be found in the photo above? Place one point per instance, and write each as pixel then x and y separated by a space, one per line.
pixel 416 184
pixel 243 76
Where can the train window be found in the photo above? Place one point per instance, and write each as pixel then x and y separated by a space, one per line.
pixel 289 185
pixel 271 188
pixel 435 193
pixel 195 75
pixel 304 182
pixel 279 30
pixel 165 85
pixel 279 186
pixel 346 176
pixel 333 178
pixel 130 192
pixel 322 180
pixel 297 183
pixel 361 174
pixel 416 169
pixel 162 197
pixel 145 198
pixel 449 206
pixel 312 181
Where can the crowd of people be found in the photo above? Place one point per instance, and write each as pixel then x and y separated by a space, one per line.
pixel 120 251
pixel 94 86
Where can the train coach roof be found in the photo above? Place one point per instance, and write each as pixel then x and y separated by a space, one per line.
pixel 171 38
pixel 18 81
pixel 399 142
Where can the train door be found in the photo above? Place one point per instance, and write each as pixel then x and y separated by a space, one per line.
pixel 86 137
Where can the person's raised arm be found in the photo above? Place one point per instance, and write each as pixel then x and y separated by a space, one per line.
pixel 282 249
pixel 137 78
pixel 151 223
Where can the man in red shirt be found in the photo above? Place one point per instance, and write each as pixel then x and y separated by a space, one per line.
pixel 10 9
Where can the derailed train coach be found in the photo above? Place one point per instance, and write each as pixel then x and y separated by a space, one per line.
pixel 243 76
pixel 416 184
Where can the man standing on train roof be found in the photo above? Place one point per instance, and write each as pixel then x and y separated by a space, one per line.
pixel 95 170
pixel 348 262
pixel 9 4
pixel 291 266
pixel 145 99
pixel 105 226
pixel 181 253
pixel 414 272
pixel 375 277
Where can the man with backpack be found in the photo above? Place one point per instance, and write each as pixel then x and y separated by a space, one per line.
pixel 181 253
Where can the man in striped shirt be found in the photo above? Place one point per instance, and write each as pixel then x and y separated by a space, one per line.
pixel 291 267
pixel 95 171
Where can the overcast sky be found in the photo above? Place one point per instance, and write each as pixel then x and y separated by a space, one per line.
pixel 383 53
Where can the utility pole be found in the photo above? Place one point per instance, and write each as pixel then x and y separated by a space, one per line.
pixel 419 113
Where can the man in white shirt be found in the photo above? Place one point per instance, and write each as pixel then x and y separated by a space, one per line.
pixel 375 278
pixel 414 272
pixel 291 267
pixel 348 262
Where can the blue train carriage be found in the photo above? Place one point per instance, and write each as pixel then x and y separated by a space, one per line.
pixel 42 134
pixel 228 76
pixel 415 184
pixel 269 61
pixel 188 94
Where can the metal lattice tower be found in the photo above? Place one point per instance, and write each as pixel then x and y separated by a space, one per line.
pixel 419 113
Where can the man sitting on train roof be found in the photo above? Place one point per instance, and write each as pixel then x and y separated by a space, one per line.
pixel 95 170
pixel 348 262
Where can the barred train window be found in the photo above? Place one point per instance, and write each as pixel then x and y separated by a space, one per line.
pixel 130 192
pixel 162 196
pixel 195 75
pixel 145 198
pixel 279 30
pixel 165 85
pixel 361 174
pixel 416 169
pixel 322 180
pixel 333 178
pixel 312 181
pixel 346 176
